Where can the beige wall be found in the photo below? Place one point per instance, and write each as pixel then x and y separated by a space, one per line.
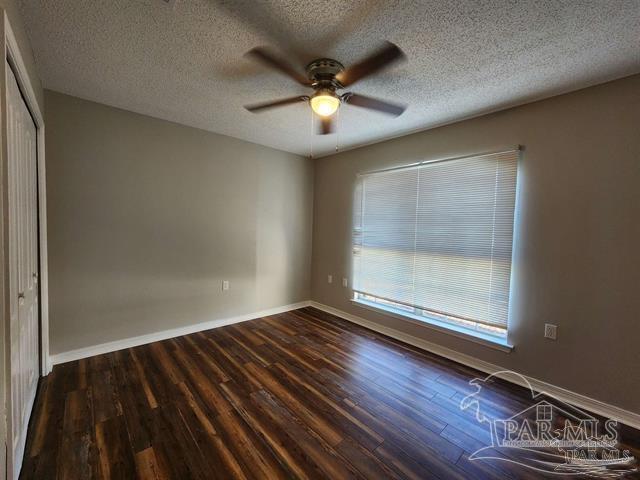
pixel 146 218
pixel 576 254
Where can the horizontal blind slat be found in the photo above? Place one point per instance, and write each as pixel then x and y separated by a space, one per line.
pixel 439 236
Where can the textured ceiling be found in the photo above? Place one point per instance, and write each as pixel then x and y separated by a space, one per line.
pixel 185 63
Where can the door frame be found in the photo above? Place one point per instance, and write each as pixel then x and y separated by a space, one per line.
pixel 13 57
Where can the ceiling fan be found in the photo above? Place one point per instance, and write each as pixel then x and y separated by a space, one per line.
pixel 326 76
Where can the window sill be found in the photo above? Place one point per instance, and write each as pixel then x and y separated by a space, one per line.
pixel 490 341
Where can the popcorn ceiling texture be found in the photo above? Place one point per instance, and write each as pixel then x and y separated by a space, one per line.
pixel 185 63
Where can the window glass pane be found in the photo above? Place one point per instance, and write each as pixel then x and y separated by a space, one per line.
pixel 438 238
pixel 388 235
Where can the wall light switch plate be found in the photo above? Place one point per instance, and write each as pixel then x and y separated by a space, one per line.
pixel 550 331
pixel 345 282
pixel 225 285
pixel 329 278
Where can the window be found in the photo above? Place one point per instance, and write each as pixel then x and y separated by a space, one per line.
pixel 434 240
pixel 544 412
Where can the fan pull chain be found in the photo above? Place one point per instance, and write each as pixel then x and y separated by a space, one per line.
pixel 311 137
pixel 337 128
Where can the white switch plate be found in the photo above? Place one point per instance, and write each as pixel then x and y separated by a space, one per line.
pixel 225 285
pixel 329 278
pixel 345 282
pixel 550 331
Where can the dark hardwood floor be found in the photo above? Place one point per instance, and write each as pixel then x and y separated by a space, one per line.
pixel 297 395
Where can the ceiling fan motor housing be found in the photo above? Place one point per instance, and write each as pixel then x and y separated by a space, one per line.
pixel 322 73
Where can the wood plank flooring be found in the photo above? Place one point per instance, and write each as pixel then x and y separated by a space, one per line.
pixel 297 395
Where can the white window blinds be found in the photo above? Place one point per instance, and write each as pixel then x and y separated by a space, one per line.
pixel 436 238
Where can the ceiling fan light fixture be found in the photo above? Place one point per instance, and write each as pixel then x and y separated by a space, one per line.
pixel 325 103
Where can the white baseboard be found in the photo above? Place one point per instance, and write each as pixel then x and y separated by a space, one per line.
pixel 47 365
pixel 166 334
pixel 581 401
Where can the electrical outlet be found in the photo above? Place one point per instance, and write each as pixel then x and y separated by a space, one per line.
pixel 329 278
pixel 345 282
pixel 225 285
pixel 550 331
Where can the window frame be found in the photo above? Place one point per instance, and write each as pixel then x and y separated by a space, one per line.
pixel 426 318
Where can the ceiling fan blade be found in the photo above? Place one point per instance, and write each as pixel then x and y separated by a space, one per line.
pixel 259 107
pixel 384 57
pixel 375 104
pixel 263 55
pixel 267 19
pixel 353 16
pixel 325 126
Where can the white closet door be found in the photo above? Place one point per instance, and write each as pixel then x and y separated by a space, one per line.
pixel 23 257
